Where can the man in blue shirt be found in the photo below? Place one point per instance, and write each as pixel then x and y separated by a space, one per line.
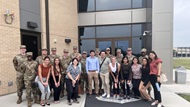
pixel 92 68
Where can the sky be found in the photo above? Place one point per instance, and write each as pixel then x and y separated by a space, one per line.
pixel 181 23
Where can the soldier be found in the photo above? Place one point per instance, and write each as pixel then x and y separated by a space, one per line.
pixel 108 53
pixel 129 55
pixel 19 66
pixel 53 55
pixel 119 56
pixel 97 53
pixel 29 77
pixel 65 61
pixel 75 52
pixel 39 59
pixel 84 75
pixel 143 55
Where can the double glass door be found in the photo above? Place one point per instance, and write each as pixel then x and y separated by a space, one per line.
pixel 114 44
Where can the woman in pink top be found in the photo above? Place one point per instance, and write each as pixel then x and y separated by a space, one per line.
pixel 155 71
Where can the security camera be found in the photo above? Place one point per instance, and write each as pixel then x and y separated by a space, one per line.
pixel 145 32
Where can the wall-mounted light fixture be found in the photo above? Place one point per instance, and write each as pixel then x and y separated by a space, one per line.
pixel 55 41
pixel 67 40
pixel 8 17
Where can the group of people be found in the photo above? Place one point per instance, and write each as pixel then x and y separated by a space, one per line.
pixel 50 74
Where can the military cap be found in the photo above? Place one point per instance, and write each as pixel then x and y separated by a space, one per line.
pixel 23 47
pixel 29 53
pixel 118 50
pixel 97 50
pixel 129 49
pixel 75 47
pixel 53 49
pixel 143 50
pixel 44 49
pixel 84 52
pixel 107 48
pixel 66 51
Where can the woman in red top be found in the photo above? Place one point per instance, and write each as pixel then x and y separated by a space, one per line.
pixel 155 71
pixel 43 74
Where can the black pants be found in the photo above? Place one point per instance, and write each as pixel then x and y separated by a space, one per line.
pixel 51 82
pixel 56 90
pixel 136 83
pixel 153 81
pixel 111 82
pixel 125 78
pixel 115 90
pixel 72 92
pixel 100 82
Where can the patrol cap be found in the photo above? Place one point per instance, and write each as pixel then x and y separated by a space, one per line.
pixel 84 52
pixel 107 49
pixel 143 50
pixel 23 47
pixel 75 47
pixel 118 50
pixel 44 49
pixel 53 49
pixel 66 51
pixel 29 53
pixel 129 49
pixel 97 50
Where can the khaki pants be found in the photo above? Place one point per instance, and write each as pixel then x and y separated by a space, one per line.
pixel 105 82
pixel 92 75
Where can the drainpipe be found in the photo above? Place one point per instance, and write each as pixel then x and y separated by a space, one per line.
pixel 47 25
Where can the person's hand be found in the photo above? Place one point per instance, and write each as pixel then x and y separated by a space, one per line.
pixel 45 84
pixel 158 79
pixel 143 87
pixel 73 81
pixel 58 84
pixel 129 82
pixel 122 81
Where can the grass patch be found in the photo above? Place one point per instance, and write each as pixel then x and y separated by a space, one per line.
pixel 186 97
pixel 181 62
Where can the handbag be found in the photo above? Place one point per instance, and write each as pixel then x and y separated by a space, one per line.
pixel 163 78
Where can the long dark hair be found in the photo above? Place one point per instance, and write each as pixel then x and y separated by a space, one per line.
pixel 137 60
pixel 54 66
pixel 74 59
pixel 156 57
pixel 147 65
pixel 124 58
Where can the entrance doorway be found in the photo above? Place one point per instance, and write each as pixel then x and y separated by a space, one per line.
pixel 32 40
pixel 114 44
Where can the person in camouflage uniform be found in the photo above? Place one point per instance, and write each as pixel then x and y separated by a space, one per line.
pixel 75 52
pixel 129 55
pixel 53 55
pixel 65 61
pixel 29 78
pixel 97 53
pixel 84 75
pixel 119 56
pixel 39 59
pixel 19 66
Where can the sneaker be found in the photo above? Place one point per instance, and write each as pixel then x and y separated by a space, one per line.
pixel 159 105
pixel 114 96
pixel 128 97
pixel 104 95
pixel 118 97
pixel 69 103
pixel 75 101
pixel 108 96
pixel 154 103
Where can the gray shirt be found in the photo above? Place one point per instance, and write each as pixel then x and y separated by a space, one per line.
pixel 104 67
pixel 73 72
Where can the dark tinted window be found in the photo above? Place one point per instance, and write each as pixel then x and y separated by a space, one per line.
pixel 86 5
pixel 113 31
pixel 136 45
pixel 87 45
pixel 87 32
pixel 138 29
pixel 112 4
pixel 138 3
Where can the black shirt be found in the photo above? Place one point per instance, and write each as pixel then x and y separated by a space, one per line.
pixel 125 70
pixel 145 74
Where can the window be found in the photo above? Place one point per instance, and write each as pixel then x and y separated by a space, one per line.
pixel 87 45
pixel 138 29
pixel 86 5
pixel 136 45
pixel 138 3
pixel 113 31
pixel 87 32
pixel 112 4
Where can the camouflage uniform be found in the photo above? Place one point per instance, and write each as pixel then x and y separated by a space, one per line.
pixel 141 57
pixel 84 76
pixel 130 58
pixel 74 55
pixel 52 57
pixel 65 61
pixel 40 59
pixel 29 78
pixel 19 66
pixel 119 58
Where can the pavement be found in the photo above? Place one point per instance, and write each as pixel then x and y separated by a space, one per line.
pixel 169 92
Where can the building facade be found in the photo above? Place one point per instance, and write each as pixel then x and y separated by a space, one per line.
pixel 181 52
pixel 128 23
pixel 29 27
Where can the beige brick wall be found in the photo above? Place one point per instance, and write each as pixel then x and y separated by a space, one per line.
pixel 10 41
pixel 63 24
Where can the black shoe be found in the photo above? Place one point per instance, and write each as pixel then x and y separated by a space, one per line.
pixel 69 103
pixel 48 104
pixel 128 97
pixel 75 101
pixel 137 97
pixel 78 96
pixel 124 97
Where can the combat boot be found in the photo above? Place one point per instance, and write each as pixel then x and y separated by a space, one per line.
pixel 19 100
pixel 29 102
